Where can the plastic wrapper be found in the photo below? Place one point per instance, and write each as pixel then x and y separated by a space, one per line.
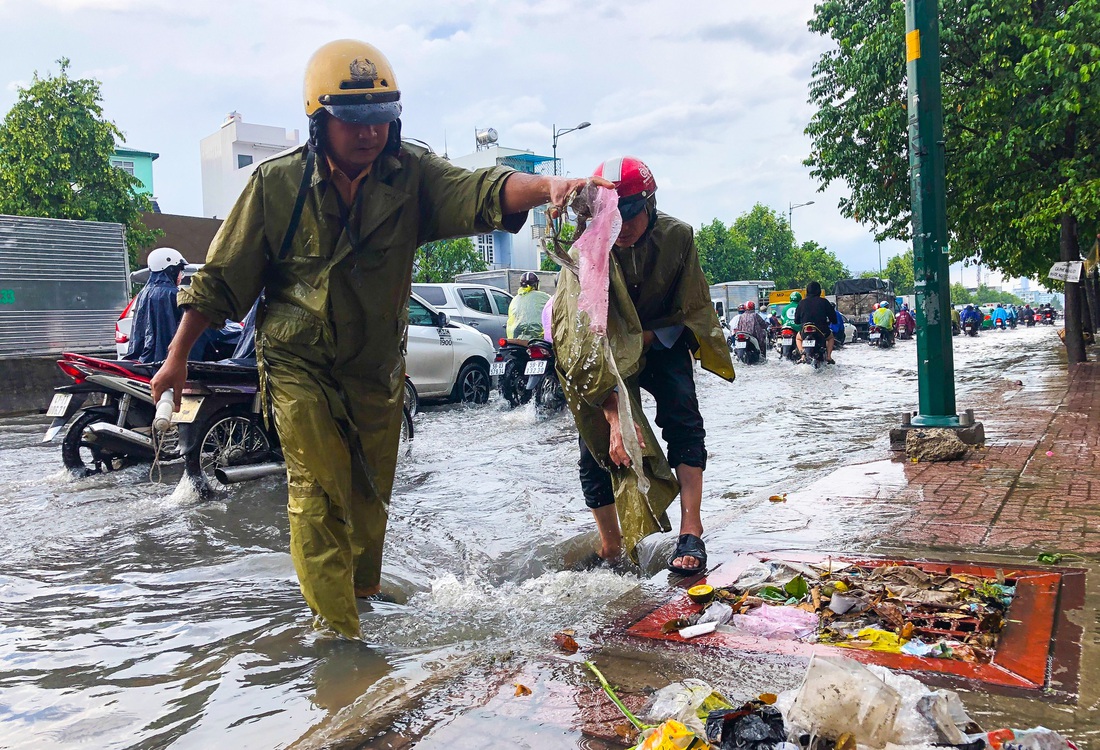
pixel 670 735
pixel 594 255
pixel 718 612
pixel 784 623
pixel 688 702
pixel 839 696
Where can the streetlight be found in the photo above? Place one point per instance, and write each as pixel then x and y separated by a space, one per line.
pixel 790 210
pixel 563 131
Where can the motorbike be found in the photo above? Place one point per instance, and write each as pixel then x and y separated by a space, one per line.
pixel 971 327
pixel 880 336
pixel 542 378
pixel 1000 324
pixel 1030 320
pixel 510 367
pixel 786 346
pixel 1012 322
pixel 813 345
pixel 773 335
pixel 747 349
pixel 1048 318
pixel 904 328
pixel 956 329
pixel 223 434
pixel 113 405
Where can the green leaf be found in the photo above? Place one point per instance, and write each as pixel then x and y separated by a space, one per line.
pixel 772 593
pixel 797 587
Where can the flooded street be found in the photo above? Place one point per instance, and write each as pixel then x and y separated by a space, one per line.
pixel 134 615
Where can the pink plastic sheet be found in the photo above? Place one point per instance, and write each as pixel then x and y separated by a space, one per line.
pixel 594 257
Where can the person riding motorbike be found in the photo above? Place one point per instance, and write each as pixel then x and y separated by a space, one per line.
pixel 1028 315
pixel 751 323
pixel 1000 316
pixel 330 230
pixel 787 318
pixel 660 318
pixel 820 312
pixel 956 321
pixel 525 309
pixel 883 316
pixel 839 333
pixel 971 315
pixel 905 321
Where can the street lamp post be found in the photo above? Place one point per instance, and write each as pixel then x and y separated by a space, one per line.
pixel 790 211
pixel 561 132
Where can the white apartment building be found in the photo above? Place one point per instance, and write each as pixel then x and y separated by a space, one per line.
pixel 503 249
pixel 231 154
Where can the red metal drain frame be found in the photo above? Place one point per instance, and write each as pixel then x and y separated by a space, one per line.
pixel 1021 663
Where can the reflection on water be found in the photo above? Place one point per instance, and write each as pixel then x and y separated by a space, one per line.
pixel 135 615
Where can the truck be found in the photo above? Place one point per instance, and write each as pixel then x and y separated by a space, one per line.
pixel 508 279
pixel 856 298
pixel 62 284
pixel 729 295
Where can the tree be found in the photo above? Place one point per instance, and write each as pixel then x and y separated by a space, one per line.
pixel 723 256
pixel 899 270
pixel 960 295
pixel 55 159
pixel 815 263
pixel 566 235
pixel 1021 93
pixel 441 261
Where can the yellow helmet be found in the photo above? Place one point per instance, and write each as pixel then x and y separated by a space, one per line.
pixel 352 81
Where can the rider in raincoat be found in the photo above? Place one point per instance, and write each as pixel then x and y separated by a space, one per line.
pixel 659 317
pixel 525 310
pixel 1000 315
pixel 156 316
pixel 329 231
pixel 883 316
pixel 788 312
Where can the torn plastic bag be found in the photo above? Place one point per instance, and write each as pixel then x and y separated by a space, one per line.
pixel 718 612
pixel 839 696
pixel 779 622
pixel 688 702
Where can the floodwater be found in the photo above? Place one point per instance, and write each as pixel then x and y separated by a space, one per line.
pixel 135 615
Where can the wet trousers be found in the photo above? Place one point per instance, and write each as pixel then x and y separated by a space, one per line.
pixel 340 440
pixel 669 377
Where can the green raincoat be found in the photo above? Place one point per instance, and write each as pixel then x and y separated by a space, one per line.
pixel 329 339
pixel 525 314
pixel 654 284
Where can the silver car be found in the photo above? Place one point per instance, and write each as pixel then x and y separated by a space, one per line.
pixel 477 305
pixel 446 359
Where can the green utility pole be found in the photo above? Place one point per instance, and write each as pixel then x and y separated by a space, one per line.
pixel 935 360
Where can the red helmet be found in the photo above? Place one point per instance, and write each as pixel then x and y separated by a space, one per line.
pixel 751 305
pixel 630 175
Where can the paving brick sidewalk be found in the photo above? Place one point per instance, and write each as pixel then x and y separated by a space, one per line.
pixel 1013 496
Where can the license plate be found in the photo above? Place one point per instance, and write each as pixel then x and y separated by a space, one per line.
pixel 59 404
pixel 808 344
pixel 536 367
pixel 741 345
pixel 876 336
pixel 786 342
pixel 189 410
pixel 496 368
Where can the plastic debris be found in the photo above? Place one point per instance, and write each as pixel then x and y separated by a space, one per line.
pixel 840 696
pixel 693 631
pixel 783 623
pixel 754 726
pixel 688 702
pixel 718 613
pixel 670 735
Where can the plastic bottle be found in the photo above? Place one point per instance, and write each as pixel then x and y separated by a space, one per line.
pixel 165 406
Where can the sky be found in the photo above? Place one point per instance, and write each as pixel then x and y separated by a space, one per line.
pixel 713 96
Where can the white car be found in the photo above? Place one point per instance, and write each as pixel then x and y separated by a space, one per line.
pixel 477 305
pixel 445 360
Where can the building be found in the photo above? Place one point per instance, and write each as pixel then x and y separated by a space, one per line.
pixel 231 154
pixel 137 164
pixel 191 235
pixel 1035 297
pixel 503 249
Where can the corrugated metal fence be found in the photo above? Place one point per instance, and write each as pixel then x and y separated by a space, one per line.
pixel 63 284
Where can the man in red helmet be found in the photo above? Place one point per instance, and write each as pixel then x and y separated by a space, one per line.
pixel 659 316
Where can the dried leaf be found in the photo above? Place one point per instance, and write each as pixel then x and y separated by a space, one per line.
pixel 566 642
pixel 522 690
pixel 673 626
pixel 768 699
pixel 778 498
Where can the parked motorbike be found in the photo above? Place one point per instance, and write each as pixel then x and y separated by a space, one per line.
pixel 880 336
pixel 542 378
pixel 509 368
pixel 113 405
pixel 747 349
pixel 785 343
pixel 971 327
pixel 813 345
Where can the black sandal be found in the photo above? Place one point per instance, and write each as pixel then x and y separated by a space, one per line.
pixel 689 545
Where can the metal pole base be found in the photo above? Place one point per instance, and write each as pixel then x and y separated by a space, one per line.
pixel 969 431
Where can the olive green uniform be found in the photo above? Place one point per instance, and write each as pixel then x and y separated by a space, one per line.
pixel 329 338
pixel 654 284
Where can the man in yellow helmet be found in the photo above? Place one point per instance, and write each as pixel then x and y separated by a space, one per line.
pixel 329 231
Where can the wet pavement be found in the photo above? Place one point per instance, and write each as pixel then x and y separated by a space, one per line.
pixel 132 614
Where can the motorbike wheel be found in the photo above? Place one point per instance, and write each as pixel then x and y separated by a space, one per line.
pixel 227 440
pixel 513 385
pixel 549 395
pixel 84 457
pixel 472 386
pixel 412 398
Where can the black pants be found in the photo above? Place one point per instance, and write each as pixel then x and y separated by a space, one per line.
pixel 669 377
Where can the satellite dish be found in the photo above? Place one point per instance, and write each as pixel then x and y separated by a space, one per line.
pixel 485 136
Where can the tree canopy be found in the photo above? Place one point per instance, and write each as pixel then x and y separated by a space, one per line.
pixel 441 261
pixel 960 295
pixel 760 245
pixel 1021 94
pixel 55 158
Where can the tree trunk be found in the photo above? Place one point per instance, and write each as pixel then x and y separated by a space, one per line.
pixel 1075 344
pixel 1086 306
pixel 1093 288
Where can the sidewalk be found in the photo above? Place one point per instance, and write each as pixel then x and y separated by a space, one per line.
pixel 1015 496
